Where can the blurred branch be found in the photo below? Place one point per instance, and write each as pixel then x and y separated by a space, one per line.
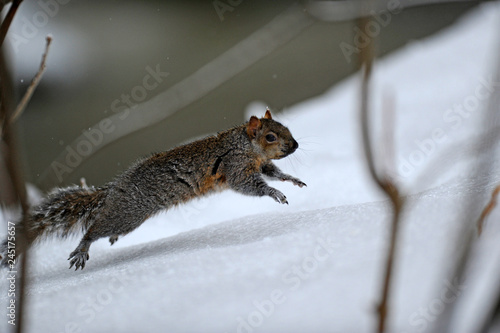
pixel 383 182
pixel 14 171
pixel 487 210
pixel 280 30
pixel 472 147
pixel 29 92
pixel 493 318
pixel 34 83
pixel 388 120
pixel 464 244
pixel 8 19
pixel 335 11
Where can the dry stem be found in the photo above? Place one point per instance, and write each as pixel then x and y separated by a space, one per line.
pixel 19 189
pixel 34 83
pixel 383 182
pixel 8 20
pixel 13 165
pixel 487 210
pixel 31 88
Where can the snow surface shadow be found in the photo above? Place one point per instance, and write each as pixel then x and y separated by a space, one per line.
pixel 231 233
pixel 237 232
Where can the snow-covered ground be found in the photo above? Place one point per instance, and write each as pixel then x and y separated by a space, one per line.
pixel 230 263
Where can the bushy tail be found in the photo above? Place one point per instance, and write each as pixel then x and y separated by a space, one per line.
pixel 64 212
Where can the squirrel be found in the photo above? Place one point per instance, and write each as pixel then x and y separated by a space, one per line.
pixel 233 159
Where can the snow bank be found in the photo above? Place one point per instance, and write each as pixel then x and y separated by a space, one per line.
pixel 230 263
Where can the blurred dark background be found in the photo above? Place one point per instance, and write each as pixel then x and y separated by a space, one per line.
pixel 103 50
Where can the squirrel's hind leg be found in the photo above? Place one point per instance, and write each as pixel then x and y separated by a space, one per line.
pixel 80 255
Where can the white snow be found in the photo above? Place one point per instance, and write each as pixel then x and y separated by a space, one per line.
pixel 230 263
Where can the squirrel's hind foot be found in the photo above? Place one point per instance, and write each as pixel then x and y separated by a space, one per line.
pixel 80 255
pixel 78 259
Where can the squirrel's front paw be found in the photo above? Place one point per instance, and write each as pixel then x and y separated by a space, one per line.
pixel 278 196
pixel 78 259
pixel 298 182
pixel 295 181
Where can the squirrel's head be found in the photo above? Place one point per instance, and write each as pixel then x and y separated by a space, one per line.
pixel 270 138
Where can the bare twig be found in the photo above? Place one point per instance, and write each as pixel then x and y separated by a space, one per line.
pixel 397 202
pixel 34 83
pixel 467 239
pixel 13 165
pixel 283 28
pixel 31 88
pixel 493 317
pixel 487 210
pixel 388 119
pixel 19 189
pixel 466 149
pixel 8 20
pixel 383 182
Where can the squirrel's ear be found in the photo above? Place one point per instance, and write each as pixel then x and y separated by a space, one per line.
pixel 252 127
pixel 268 114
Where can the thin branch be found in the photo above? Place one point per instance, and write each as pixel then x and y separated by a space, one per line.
pixel 472 147
pixel 467 238
pixel 14 170
pixel 493 317
pixel 34 83
pixel 383 182
pixel 8 20
pixel 397 206
pixel 283 28
pixel 31 88
pixel 487 210
pixel 388 119
pixel 366 63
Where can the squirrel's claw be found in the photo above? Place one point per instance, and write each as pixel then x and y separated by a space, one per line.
pixel 295 181
pixel 299 183
pixel 78 259
pixel 278 196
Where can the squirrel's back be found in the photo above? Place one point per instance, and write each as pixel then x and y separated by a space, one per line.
pixel 185 172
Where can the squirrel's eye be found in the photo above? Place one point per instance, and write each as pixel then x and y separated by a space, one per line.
pixel 270 138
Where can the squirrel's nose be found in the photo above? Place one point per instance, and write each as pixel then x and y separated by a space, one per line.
pixel 295 145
